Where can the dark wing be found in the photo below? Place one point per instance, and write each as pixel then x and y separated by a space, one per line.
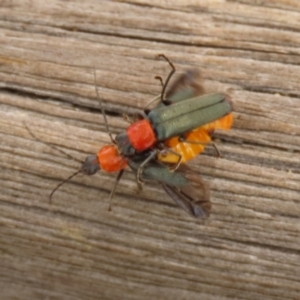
pixel 189 80
pixel 184 186
pixel 194 197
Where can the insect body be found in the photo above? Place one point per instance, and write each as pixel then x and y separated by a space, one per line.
pixel 144 137
pixel 194 141
pixel 170 121
pixel 164 122
pixel 186 188
pixel 190 144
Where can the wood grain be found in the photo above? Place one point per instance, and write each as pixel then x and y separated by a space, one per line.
pixel 147 247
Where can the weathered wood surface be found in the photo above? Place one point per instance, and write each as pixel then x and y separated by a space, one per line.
pixel 146 247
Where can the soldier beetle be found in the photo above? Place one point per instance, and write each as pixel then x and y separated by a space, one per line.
pixel 186 188
pixel 191 143
pixel 160 124
pixel 147 135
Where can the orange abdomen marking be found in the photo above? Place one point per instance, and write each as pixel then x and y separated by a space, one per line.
pixel 141 135
pixel 199 135
pixel 110 159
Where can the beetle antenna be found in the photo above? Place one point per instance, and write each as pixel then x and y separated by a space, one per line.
pixel 59 150
pixel 63 182
pixel 156 98
pixel 114 188
pixel 102 108
pixel 50 145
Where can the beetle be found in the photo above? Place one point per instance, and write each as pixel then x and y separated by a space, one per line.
pixel 184 186
pixel 149 133
pixel 161 124
pixel 191 143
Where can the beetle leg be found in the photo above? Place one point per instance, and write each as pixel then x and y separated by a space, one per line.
pixel 114 188
pixel 216 149
pixel 142 165
pixel 175 167
pixel 168 78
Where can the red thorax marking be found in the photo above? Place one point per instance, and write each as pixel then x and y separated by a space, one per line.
pixel 141 135
pixel 110 159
